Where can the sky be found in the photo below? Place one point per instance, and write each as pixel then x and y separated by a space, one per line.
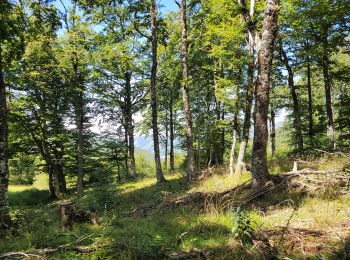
pixel 168 5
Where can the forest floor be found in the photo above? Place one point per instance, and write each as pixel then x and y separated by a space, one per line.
pixel 304 215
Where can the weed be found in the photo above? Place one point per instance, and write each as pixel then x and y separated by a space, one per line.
pixel 242 228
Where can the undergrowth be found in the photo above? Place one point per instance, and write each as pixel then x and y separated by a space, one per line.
pixel 319 224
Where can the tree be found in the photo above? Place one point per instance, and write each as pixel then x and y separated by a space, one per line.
pixel 259 158
pixel 296 109
pixel 154 45
pixel 185 90
pixel 8 31
pixel 74 65
pixel 252 34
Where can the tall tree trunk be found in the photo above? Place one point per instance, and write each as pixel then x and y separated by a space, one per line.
pixel 328 88
pixel 273 131
pixel 234 139
pixel 309 94
pixel 129 122
pixel 126 148
pixel 166 141
pixel 159 173
pixel 296 109
pixel 250 86
pixel 171 122
pixel 80 144
pixel 57 170
pixel 5 221
pixel 260 171
pixel 79 122
pixel 185 90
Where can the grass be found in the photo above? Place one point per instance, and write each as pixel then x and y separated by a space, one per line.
pixel 30 195
pixel 185 228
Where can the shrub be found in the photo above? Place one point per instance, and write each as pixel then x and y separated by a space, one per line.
pixel 242 226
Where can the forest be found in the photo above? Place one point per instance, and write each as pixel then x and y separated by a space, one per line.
pixel 174 129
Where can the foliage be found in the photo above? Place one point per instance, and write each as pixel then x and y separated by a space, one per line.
pixel 242 225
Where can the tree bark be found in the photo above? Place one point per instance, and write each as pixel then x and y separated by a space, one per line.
pixel 166 141
pixel 153 12
pixel 58 180
pixel 217 144
pixel 273 131
pixel 80 144
pixel 296 109
pixel 250 86
pixel 171 126
pixel 129 122
pixel 5 221
pixel 309 94
pixel 126 149
pixel 234 139
pixel 79 122
pixel 185 91
pixel 328 88
pixel 260 171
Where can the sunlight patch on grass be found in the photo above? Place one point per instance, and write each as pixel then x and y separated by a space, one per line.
pixel 40 183
pixel 217 183
pixel 144 183
pixel 314 213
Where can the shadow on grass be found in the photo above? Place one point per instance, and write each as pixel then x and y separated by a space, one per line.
pixel 343 252
pixel 30 197
pixel 108 197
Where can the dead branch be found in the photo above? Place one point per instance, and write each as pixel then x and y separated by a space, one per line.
pixel 310 171
pixel 20 255
pixel 331 153
pixel 197 198
pixel 51 251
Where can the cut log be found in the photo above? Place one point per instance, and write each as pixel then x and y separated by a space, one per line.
pixel 66 215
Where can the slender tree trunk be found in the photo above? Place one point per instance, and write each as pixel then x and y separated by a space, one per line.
pixel 296 109
pixel 159 173
pixel 309 94
pixel 166 141
pixel 222 135
pixel 5 221
pixel 171 154
pixel 57 170
pixel 126 150
pixel 273 132
pixel 79 122
pixel 328 89
pixel 216 134
pixel 129 122
pixel 250 87
pixel 185 91
pixel 57 182
pixel 80 145
pixel 234 139
pixel 260 171
pixel 51 181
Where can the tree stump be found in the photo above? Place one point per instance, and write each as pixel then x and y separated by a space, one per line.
pixel 66 211
pixel 69 213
